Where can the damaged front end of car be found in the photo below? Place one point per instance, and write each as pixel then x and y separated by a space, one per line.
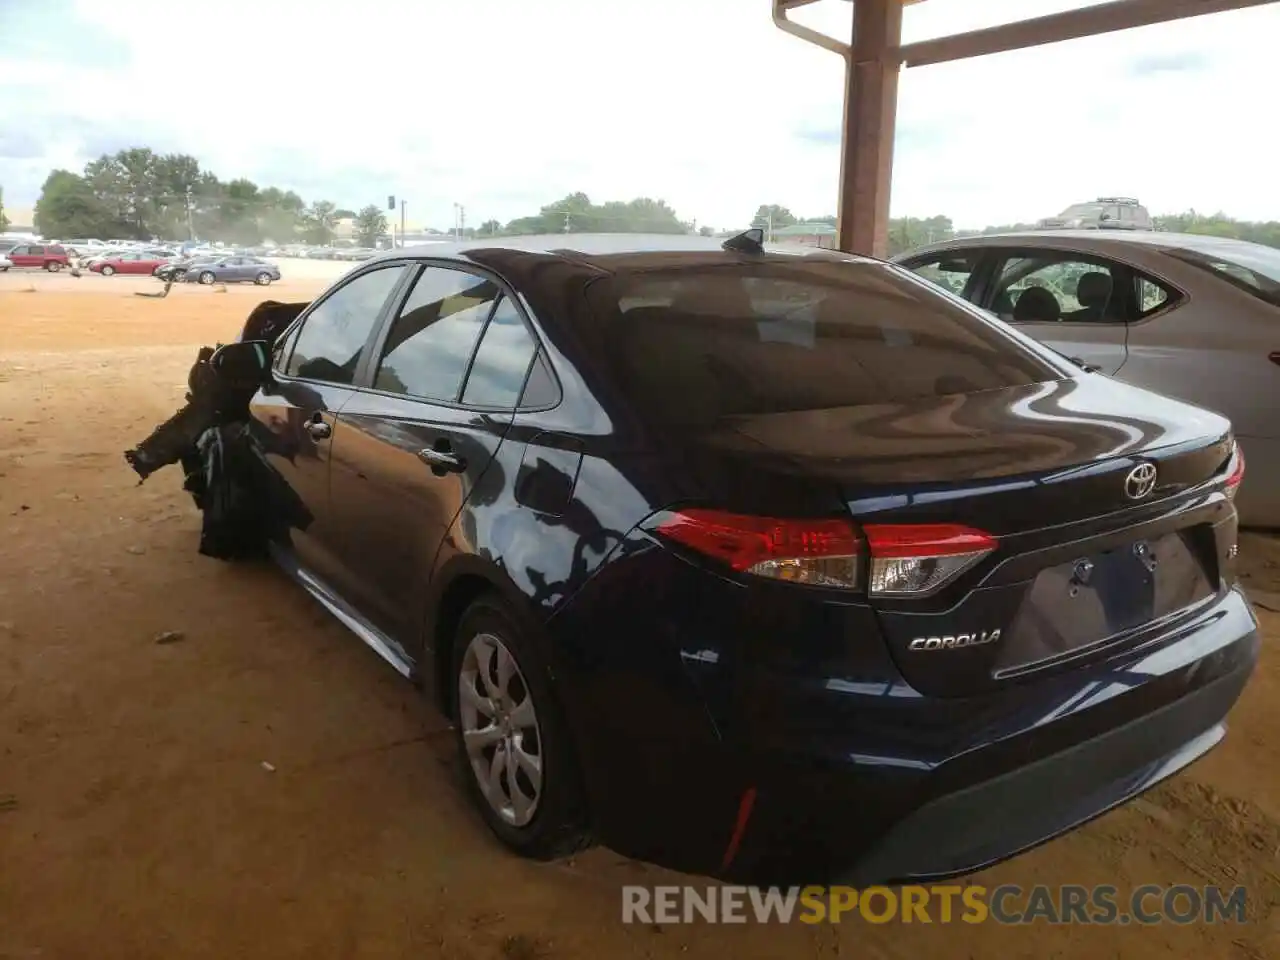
pixel 244 502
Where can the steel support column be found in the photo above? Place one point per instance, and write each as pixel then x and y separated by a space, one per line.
pixel 870 108
pixel 873 62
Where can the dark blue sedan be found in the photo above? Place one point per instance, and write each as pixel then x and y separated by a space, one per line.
pixel 776 566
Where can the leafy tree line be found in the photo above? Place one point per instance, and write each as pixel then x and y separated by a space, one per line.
pixel 140 194
pixel 577 214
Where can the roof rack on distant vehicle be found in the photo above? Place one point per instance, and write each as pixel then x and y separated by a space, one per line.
pixel 1126 200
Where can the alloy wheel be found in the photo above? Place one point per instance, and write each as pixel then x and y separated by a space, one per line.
pixel 500 729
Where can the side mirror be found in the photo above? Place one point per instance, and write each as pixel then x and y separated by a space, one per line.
pixel 245 364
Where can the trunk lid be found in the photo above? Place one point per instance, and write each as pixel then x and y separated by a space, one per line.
pixel 1094 553
pixel 1006 461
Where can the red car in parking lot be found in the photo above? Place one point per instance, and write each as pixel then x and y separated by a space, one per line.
pixel 46 256
pixel 129 262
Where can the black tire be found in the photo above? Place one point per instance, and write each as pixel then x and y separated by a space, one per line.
pixel 205 277
pixel 263 279
pixel 53 266
pixel 108 271
pixel 559 826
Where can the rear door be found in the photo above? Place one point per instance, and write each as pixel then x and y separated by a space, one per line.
pixel 22 255
pixel 1078 304
pixel 419 440
pixel 295 419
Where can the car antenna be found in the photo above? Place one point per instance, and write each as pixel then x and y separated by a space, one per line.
pixel 748 241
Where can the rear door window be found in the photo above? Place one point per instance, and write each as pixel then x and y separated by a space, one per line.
pixel 431 342
pixel 703 342
pixel 502 360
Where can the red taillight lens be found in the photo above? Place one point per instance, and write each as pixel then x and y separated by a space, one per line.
pixel 816 552
pixel 918 559
pixel 1235 471
pixel 906 559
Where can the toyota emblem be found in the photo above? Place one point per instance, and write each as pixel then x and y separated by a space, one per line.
pixel 1140 481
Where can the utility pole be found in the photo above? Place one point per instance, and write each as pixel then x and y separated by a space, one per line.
pixel 403 205
pixel 567 223
pixel 191 225
pixel 462 222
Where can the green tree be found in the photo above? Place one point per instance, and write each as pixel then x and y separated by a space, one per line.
pixel 342 213
pixel 706 232
pixel 907 233
pixel 371 223
pixel 318 222
pixel 68 207
pixel 773 215
pixel 490 228
pixel 577 214
pixel 4 221
pixel 281 214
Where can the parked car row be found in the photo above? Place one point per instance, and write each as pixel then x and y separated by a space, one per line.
pixel 140 260
pixel 323 253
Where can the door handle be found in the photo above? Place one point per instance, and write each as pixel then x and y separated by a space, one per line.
pixel 318 429
pixel 442 461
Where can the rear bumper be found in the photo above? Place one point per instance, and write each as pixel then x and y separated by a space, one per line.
pixel 1037 777
pixel 721 767
pixel 991 821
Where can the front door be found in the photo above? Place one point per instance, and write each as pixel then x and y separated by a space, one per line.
pixel 295 418
pixel 1078 305
pixel 422 442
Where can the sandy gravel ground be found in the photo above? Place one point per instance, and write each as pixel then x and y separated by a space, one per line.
pixel 264 786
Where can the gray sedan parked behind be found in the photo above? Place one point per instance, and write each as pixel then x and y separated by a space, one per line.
pixel 1192 317
pixel 234 270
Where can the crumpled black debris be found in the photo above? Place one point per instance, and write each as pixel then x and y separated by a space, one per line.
pixel 245 502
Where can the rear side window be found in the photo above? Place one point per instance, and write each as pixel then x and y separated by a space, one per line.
pixel 702 342
pixel 1250 267
pixel 502 361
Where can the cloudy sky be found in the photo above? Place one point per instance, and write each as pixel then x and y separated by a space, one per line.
pixel 503 105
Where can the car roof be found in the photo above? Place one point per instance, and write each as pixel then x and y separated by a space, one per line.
pixel 605 251
pixel 1115 240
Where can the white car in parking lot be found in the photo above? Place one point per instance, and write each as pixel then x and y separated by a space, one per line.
pixel 5 263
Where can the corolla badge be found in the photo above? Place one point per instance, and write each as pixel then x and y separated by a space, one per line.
pixel 1140 481
pixel 954 641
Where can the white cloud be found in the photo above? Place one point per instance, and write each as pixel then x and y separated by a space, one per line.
pixel 504 105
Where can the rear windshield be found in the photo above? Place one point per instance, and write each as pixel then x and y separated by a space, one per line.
pixel 697 343
pixel 1249 266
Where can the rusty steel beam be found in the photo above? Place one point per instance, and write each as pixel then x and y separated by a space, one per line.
pixel 1069 25
pixel 870 109
pixel 875 56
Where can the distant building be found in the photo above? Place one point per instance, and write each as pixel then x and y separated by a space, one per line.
pixel 22 222
pixel 810 234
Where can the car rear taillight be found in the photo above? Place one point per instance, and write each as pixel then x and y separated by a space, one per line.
pixel 905 559
pixel 1235 471
pixel 917 559
pixel 817 552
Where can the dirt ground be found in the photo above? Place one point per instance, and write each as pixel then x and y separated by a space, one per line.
pixel 264 786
